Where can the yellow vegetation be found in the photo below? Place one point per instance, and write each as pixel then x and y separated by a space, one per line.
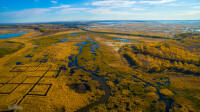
pixel 166 92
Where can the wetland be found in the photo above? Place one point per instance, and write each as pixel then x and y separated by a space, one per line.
pixel 94 67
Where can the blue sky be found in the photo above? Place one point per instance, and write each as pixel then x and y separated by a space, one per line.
pixel 22 11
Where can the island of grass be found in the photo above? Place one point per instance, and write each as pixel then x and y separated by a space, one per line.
pixel 9 47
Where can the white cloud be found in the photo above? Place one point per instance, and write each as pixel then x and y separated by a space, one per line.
pixel 62 6
pixel 71 10
pixel 138 9
pixel 86 4
pixel 196 7
pixel 26 12
pixel 107 11
pixel 157 2
pixel 4 7
pixel 178 4
pixel 36 0
pixel 191 13
pixel 174 4
pixel 54 1
pixel 114 3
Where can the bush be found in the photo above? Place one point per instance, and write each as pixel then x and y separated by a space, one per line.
pixel 154 68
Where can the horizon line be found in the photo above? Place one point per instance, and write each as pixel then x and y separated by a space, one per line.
pixel 95 21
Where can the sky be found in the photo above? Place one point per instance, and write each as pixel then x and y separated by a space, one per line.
pixel 26 11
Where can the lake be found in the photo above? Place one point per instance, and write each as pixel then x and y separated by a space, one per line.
pixel 4 36
pixel 73 34
pixel 122 39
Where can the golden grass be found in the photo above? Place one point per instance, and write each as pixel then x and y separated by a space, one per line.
pixel 141 39
pixel 186 105
pixel 68 32
pixel 43 68
pixel 36 73
pixel 31 69
pixel 59 96
pixel 188 82
pixel 114 45
pixel 51 73
pixel 150 89
pixel 39 89
pixel 10 99
pixel 152 96
pixel 18 79
pixel 166 92
pixel 31 80
pixel 4 79
pixel 8 31
pixel 130 32
pixel 7 88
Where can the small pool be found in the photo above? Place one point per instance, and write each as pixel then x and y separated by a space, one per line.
pixel 73 34
pixel 19 63
pixel 63 40
pixel 4 36
pixel 122 39
pixel 29 56
pixel 8 29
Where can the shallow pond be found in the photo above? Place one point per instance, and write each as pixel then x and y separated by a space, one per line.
pixel 73 34
pixel 8 29
pixel 122 39
pixel 64 40
pixel 4 36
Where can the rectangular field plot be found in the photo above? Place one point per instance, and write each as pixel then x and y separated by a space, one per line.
pixel 18 79
pixel 4 79
pixel 31 69
pixel 54 68
pixel 34 74
pixel 31 80
pixel 51 74
pixel 22 90
pixel 47 80
pixel 9 74
pixel 13 98
pixel 43 68
pixel 4 102
pixel 40 89
pixel 7 88
pixel 19 69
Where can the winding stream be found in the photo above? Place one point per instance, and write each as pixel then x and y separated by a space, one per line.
pixel 168 102
pixel 101 80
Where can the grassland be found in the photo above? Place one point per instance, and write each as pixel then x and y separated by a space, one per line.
pixel 8 47
pixel 61 71
pixel 8 31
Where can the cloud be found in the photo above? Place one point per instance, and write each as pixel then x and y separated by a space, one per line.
pixel 191 13
pixel 114 3
pixel 71 10
pixel 86 4
pixel 174 4
pixel 4 7
pixel 178 4
pixel 196 7
pixel 26 12
pixel 54 1
pixel 138 9
pixel 107 11
pixel 36 0
pixel 157 2
pixel 62 6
